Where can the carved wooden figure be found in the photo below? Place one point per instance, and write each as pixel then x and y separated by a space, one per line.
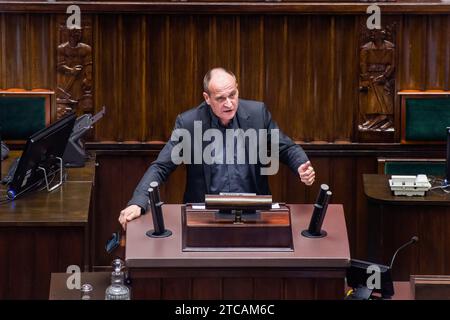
pixel 377 82
pixel 74 89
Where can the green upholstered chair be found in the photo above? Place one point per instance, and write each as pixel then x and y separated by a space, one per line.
pixel 430 167
pixel 23 113
pixel 425 117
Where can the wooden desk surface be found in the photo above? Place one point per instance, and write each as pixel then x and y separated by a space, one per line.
pixel 332 251
pixel 376 188
pixel 59 207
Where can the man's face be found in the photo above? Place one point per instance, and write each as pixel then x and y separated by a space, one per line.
pixel 223 96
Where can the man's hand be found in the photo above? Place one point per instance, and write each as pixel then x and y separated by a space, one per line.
pixel 129 213
pixel 307 174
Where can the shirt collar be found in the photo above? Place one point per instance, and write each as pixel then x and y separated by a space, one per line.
pixel 215 121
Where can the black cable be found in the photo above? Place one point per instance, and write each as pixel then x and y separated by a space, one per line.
pixel 36 184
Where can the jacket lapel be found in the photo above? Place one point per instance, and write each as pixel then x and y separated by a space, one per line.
pixel 206 124
pixel 245 123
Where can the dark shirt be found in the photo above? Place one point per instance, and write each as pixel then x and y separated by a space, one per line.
pixel 229 177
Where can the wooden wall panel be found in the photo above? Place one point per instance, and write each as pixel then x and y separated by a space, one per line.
pixel 180 68
pixel 204 35
pixel 28 253
pixel 133 106
pixel 251 80
pixel 110 199
pixel 224 43
pixel 40 52
pixel 432 230
pixel 299 289
pixel 5 248
pixel 438 52
pixel 176 288
pixel 344 82
pixel 413 56
pixel 108 70
pixel 361 222
pixel 276 68
pixel 149 67
pixel 206 288
pixel 322 59
pixel 335 289
pixel 20 264
pixel 157 92
pixel 342 179
pixel 237 288
pixel 45 250
pixel 268 288
pixel 300 105
pixel 28 51
pixel 15 40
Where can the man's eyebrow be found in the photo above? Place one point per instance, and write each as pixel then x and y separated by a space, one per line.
pixel 223 96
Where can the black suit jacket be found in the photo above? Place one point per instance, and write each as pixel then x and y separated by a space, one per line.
pixel 251 114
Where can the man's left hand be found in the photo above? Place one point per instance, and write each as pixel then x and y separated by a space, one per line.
pixel 307 173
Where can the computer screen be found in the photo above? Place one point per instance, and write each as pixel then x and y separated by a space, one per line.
pixel 41 150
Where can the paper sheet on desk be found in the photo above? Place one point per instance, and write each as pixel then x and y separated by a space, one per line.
pixel 202 207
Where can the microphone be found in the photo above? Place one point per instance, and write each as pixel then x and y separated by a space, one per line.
pixel 155 187
pixel 320 209
pixel 155 203
pixel 413 240
pixel 322 193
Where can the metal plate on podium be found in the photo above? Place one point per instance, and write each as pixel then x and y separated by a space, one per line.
pixel 210 230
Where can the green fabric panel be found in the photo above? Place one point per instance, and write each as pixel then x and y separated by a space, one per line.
pixel 21 117
pixel 426 119
pixel 414 168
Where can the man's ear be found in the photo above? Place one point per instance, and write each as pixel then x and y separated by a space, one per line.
pixel 206 97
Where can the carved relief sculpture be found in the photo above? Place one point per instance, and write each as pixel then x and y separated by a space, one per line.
pixel 377 82
pixel 74 91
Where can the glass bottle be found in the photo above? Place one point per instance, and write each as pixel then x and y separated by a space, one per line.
pixel 86 291
pixel 117 290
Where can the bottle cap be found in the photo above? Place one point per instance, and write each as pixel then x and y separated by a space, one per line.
pixel 86 289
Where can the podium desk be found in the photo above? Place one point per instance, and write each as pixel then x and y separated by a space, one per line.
pixel 393 220
pixel 43 232
pixel 315 269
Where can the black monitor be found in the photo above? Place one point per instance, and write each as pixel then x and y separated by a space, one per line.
pixel 41 151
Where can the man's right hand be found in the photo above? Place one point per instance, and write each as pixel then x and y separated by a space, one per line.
pixel 129 213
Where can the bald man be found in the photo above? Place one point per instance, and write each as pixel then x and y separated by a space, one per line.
pixel 221 110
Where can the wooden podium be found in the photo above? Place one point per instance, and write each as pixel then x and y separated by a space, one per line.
pixel 312 269
pixel 210 230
